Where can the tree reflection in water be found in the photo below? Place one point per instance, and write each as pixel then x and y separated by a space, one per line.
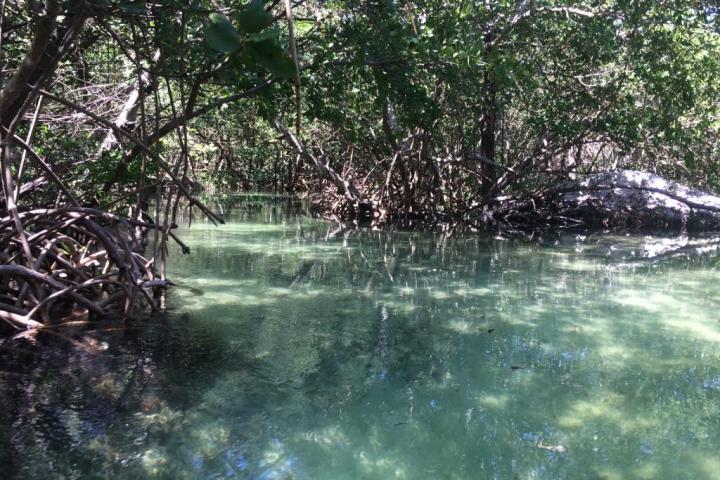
pixel 294 350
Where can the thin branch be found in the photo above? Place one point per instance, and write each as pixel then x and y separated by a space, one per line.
pixel 158 159
pixel 46 168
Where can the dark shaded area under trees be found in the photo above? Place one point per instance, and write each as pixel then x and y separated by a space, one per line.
pixel 114 114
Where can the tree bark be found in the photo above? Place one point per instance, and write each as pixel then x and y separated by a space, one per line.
pixel 49 44
pixel 346 187
pixel 128 113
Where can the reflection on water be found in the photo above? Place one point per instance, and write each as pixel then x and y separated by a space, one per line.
pixel 297 351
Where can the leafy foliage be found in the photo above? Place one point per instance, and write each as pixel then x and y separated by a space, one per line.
pixel 221 35
pixel 433 107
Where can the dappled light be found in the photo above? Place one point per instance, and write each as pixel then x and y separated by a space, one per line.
pixel 393 355
pixel 362 240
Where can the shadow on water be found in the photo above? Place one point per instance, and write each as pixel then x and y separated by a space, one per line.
pixel 299 351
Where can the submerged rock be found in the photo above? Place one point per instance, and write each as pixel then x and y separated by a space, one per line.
pixel 634 200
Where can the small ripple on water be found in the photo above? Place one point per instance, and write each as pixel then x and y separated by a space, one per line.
pixel 403 377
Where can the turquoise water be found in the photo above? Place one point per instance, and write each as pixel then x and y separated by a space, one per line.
pixel 294 350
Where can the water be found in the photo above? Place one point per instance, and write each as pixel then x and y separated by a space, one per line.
pixel 296 351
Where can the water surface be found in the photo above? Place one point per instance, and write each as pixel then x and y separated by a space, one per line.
pixel 295 350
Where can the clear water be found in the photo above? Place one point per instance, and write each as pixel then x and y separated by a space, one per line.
pixel 296 351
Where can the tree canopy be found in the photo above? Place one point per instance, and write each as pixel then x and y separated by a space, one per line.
pixel 393 110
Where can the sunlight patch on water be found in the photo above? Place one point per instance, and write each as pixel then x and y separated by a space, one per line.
pixel 607 408
pixel 292 354
pixel 494 402
pixel 694 325
pixel 709 465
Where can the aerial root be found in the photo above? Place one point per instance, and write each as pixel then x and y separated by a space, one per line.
pixel 81 258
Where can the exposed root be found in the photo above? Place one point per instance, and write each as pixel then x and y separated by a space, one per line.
pixel 80 259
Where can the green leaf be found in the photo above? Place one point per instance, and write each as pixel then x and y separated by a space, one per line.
pixel 270 55
pixel 221 35
pixel 267 34
pixel 253 17
pixel 244 61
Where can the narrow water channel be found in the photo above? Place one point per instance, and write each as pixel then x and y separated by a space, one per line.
pixel 293 350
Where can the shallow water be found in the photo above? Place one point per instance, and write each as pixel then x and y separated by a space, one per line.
pixel 296 351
